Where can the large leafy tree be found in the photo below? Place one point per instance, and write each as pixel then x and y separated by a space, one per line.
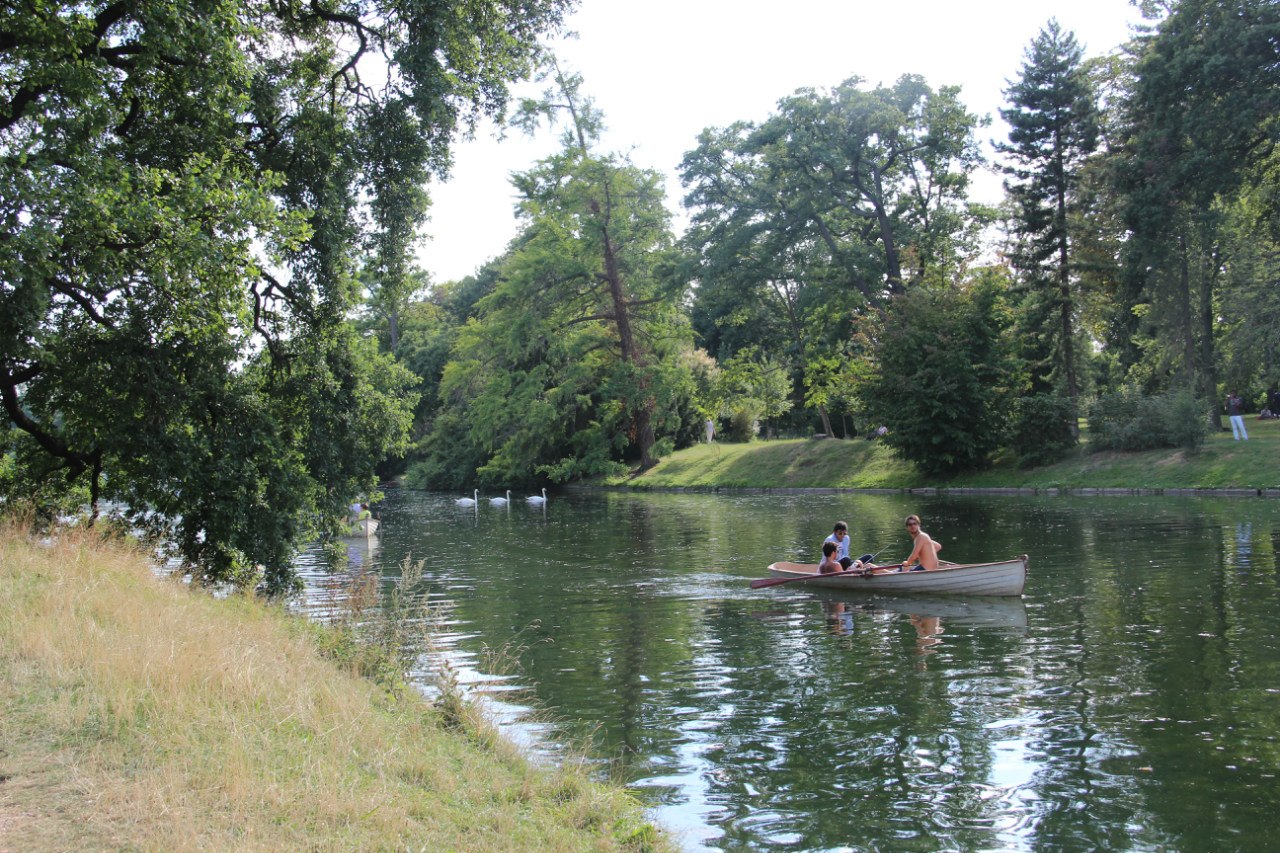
pixel 1201 125
pixel 185 190
pixel 838 201
pixel 568 367
pixel 1053 121
pixel 1249 304
pixel 884 170
pixel 615 263
pixel 1098 234
pixel 875 180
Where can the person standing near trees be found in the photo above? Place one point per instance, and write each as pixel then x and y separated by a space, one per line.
pixel 1235 411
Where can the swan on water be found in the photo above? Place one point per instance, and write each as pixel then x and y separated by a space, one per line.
pixel 534 499
pixel 471 501
pixel 500 501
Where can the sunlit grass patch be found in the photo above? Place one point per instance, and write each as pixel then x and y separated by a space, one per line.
pixel 1221 463
pixel 136 713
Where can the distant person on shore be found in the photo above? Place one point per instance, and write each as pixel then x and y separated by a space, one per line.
pixel 840 537
pixel 1235 412
pixel 924 556
pixel 711 429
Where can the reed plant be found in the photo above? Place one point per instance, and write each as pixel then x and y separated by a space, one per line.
pixel 139 714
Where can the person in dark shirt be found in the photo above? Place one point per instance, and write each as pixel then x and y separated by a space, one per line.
pixel 1235 412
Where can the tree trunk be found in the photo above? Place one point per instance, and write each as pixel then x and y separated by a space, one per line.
pixel 393 328
pixel 892 262
pixel 1186 314
pixel 644 407
pixel 1066 304
pixel 1209 371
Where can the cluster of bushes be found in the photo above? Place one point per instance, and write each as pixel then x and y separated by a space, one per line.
pixel 1043 429
pixel 1130 420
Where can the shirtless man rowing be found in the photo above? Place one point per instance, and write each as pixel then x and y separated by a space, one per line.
pixel 925 552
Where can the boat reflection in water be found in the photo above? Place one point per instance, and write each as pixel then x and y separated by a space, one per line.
pixel 839 613
pixel 988 611
pixel 349 583
pixel 929 615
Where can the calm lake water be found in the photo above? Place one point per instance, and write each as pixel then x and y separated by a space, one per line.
pixel 1129 701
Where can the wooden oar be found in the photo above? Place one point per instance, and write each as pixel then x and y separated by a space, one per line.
pixel 763 582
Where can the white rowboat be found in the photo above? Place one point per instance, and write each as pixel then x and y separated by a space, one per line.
pixel 365 528
pixel 1006 577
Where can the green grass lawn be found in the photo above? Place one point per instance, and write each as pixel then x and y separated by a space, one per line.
pixel 1221 463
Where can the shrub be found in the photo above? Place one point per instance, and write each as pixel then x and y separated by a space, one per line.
pixel 1043 429
pixel 744 420
pixel 1129 420
pixel 940 379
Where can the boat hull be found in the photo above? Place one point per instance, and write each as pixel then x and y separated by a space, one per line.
pixel 1006 577
pixel 365 528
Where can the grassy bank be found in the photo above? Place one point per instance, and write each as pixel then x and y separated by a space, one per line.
pixel 136 714
pixel 858 464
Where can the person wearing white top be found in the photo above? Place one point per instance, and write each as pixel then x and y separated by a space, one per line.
pixel 840 536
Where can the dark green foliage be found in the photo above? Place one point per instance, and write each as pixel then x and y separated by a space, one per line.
pixel 1249 312
pixel 570 363
pixel 445 458
pixel 841 198
pixel 1204 104
pixel 1042 429
pixel 1201 131
pixel 744 423
pixel 33 485
pixel 1053 128
pixel 1131 420
pixel 941 377
pixel 185 191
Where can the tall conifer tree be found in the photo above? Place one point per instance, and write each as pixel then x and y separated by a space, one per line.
pixel 1053 122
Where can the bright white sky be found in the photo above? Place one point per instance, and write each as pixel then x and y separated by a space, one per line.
pixel 664 70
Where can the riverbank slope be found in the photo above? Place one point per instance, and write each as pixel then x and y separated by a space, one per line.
pixel 137 714
pixel 1221 465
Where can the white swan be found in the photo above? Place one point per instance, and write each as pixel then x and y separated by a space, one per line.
pixel 501 501
pixel 471 501
pixel 534 499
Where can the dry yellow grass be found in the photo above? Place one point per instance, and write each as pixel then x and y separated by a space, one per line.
pixel 136 714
